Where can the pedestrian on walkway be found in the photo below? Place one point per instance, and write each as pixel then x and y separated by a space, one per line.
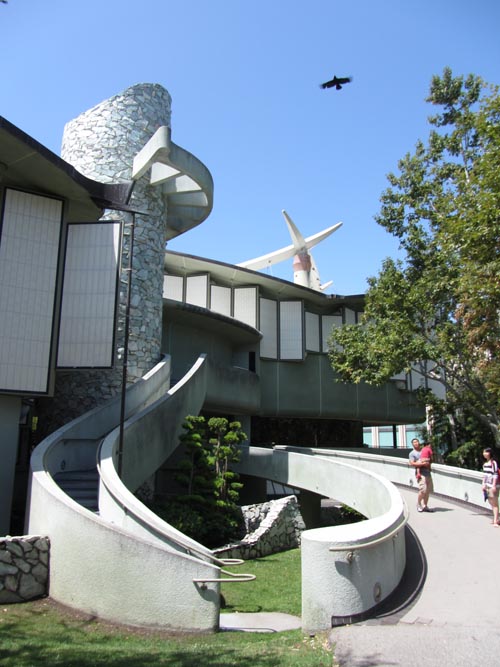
pixel 491 482
pixel 412 460
pixel 421 459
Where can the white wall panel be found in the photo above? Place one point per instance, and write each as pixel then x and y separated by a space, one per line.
pixel 29 247
pixel 269 328
pixel 350 316
pixel 245 305
pixel 197 290
pixel 291 331
pixel 328 322
pixel 86 333
pixel 173 287
pixel 220 299
pixel 312 332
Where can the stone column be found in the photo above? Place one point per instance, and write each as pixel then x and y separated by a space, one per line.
pixel 101 143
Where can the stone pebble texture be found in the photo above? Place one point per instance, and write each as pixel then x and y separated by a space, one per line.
pixel 101 143
pixel 271 527
pixel 24 568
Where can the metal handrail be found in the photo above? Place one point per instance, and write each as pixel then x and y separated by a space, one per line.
pixel 189 548
pixel 372 543
pixel 232 578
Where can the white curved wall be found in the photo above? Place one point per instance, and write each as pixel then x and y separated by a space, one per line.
pixel 106 571
pixel 351 578
pixel 458 483
pixel 101 568
pixel 154 433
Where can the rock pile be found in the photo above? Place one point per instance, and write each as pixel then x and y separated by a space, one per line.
pixel 271 527
pixel 24 568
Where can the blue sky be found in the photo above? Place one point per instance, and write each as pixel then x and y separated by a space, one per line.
pixel 244 78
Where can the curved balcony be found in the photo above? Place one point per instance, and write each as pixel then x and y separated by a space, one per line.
pixel 184 181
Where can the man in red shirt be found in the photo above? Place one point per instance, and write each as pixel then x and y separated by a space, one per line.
pixel 425 484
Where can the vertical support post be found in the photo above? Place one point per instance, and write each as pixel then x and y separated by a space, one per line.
pixel 126 334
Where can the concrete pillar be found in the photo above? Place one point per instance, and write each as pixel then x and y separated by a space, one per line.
pixel 10 410
pixel 246 426
pixel 310 508
pixel 254 490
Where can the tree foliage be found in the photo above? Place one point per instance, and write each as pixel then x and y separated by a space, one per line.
pixel 437 309
pixel 207 509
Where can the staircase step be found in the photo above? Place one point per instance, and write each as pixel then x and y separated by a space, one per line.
pixel 80 485
pixel 77 474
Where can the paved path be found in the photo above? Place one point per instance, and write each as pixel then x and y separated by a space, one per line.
pixel 259 622
pixel 455 619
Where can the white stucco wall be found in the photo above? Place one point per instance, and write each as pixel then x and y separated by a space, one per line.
pixel 341 576
pixel 458 483
pixel 104 569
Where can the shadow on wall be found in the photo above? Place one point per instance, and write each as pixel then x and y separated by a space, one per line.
pixel 408 590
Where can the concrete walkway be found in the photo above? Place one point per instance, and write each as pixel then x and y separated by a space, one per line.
pixel 455 617
pixel 259 622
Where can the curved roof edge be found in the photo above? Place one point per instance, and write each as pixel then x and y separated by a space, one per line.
pixel 185 264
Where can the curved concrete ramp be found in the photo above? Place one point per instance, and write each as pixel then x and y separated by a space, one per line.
pixel 98 563
pixel 454 619
pixel 347 571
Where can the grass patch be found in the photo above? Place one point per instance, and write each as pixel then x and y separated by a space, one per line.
pixel 276 588
pixel 41 633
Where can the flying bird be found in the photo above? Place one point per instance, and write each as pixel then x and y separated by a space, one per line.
pixel 336 82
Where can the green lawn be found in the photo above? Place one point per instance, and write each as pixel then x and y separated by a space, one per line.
pixel 276 588
pixel 43 633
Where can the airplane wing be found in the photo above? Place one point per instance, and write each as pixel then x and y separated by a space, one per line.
pixel 269 259
pixel 299 245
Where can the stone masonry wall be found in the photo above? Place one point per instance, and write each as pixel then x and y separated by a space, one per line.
pixel 271 527
pixel 102 143
pixel 24 568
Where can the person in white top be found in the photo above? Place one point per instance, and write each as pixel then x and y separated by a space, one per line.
pixel 490 482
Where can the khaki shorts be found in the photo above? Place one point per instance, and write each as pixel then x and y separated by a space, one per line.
pixel 425 484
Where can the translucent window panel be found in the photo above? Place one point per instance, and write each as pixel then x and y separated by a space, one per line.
pixel 29 248
pixel 245 305
pixel 220 299
pixel 173 288
pixel 86 332
pixel 269 328
pixel 197 290
pixel 350 316
pixel 411 433
pixel 437 388
pixel 312 332
pixel 328 322
pixel 367 436
pixel 386 438
pixel 417 380
pixel 291 333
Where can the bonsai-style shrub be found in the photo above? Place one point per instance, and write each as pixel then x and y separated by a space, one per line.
pixel 207 510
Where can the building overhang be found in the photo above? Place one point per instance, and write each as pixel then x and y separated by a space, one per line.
pixel 27 164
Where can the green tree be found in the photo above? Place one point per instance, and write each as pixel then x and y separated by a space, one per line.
pixel 207 510
pixel 223 441
pixel 437 309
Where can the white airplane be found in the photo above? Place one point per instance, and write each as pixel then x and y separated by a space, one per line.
pixel 304 267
